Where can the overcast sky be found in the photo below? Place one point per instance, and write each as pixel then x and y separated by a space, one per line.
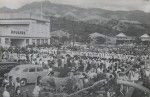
pixel 106 4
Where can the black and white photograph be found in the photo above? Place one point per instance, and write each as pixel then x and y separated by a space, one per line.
pixel 74 48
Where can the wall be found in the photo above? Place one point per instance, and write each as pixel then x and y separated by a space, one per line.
pixel 25 28
pixel 39 29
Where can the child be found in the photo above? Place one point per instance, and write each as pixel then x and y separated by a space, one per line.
pixel 6 93
pixel 37 89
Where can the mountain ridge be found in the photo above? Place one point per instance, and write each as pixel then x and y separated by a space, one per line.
pixel 89 20
pixel 62 9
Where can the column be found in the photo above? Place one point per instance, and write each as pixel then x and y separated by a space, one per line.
pixel 30 41
pixel 48 41
pixel 2 41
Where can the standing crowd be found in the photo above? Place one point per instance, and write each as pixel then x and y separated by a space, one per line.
pixel 106 63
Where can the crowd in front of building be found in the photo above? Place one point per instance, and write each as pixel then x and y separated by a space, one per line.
pixel 105 63
pixel 119 62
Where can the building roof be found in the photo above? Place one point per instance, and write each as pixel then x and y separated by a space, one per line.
pixel 145 36
pixel 27 22
pixel 22 16
pixel 121 35
pixel 94 35
pixel 59 33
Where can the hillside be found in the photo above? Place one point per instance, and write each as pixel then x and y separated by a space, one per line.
pixel 81 13
pixel 83 21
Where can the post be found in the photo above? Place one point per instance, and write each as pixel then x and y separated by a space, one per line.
pixel 1 54
pixel 41 9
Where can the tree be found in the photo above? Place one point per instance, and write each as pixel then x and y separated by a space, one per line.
pixel 138 40
pixel 64 39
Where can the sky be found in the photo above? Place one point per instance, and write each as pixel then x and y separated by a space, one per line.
pixel 128 5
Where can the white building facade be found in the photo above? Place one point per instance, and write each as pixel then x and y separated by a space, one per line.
pixel 23 29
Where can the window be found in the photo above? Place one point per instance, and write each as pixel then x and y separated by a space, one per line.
pixel 32 69
pixel 16 69
pixel 25 70
pixel 45 66
pixel 39 69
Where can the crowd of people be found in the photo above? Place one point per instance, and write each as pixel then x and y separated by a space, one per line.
pixel 115 63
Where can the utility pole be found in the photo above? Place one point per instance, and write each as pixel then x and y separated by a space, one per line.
pixel 41 13
pixel 42 7
pixel 30 12
pixel 1 53
pixel 73 33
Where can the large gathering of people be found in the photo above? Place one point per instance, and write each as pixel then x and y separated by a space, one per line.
pixel 110 63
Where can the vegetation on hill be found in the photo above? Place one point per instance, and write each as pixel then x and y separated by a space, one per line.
pixel 81 22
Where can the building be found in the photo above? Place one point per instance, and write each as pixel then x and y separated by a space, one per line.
pixel 105 39
pixel 145 39
pixel 23 29
pixel 121 38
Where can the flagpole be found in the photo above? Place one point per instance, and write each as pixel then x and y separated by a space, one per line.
pixel 41 9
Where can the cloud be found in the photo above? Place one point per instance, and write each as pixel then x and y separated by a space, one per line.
pixel 15 3
pixel 11 4
pixel 107 4
pixel 115 4
pixel 146 8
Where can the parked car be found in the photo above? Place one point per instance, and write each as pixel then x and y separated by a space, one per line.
pixel 5 67
pixel 27 73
